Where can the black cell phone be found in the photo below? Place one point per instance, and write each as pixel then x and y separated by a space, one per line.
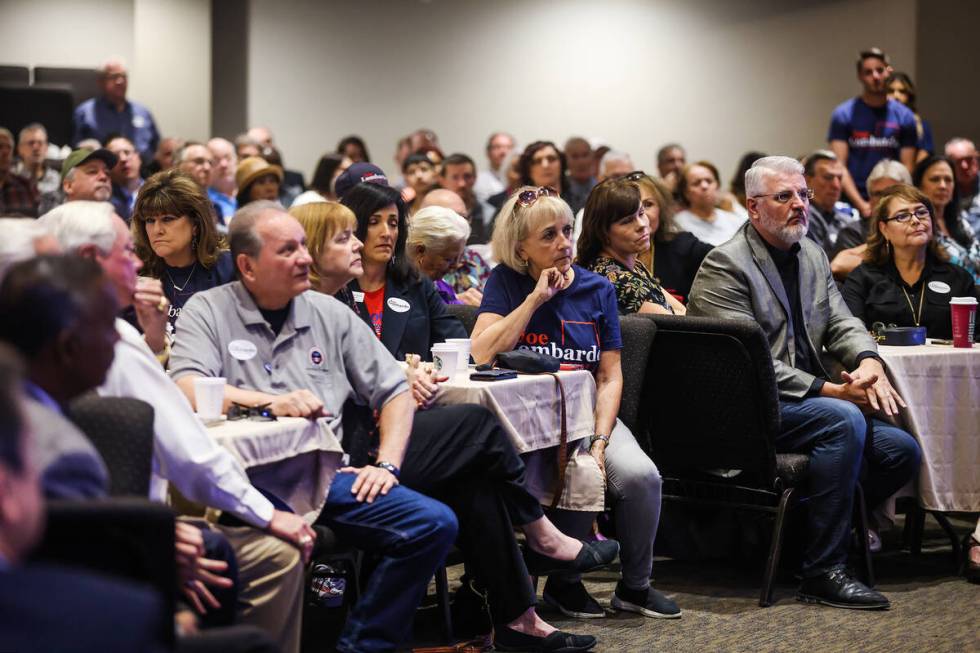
pixel 493 375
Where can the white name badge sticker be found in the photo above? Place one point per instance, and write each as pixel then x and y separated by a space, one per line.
pixel 398 305
pixel 139 122
pixel 358 296
pixel 242 350
pixel 939 287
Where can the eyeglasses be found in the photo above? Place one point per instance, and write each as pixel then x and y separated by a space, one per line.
pixel 636 175
pixel 528 197
pixel 261 413
pixel 805 195
pixel 921 214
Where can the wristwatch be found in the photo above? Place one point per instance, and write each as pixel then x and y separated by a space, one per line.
pixel 594 438
pixel 389 467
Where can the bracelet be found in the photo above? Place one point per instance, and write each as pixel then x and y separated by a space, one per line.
pixel 597 437
pixel 388 467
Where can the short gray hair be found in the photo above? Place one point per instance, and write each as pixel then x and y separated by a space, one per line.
pixel 613 156
pixel 243 238
pixel 81 222
pixel 182 151
pixel 6 132
pixel 958 140
pixel 33 127
pixel 18 239
pixel 755 177
pixel 889 169
pixel 435 228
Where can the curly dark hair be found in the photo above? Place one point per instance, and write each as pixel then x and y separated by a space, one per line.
pixel 527 158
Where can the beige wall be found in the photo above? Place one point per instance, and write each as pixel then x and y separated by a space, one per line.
pixel 721 77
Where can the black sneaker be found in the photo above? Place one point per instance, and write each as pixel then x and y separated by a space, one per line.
pixel 572 599
pixel 557 642
pixel 648 602
pixel 838 589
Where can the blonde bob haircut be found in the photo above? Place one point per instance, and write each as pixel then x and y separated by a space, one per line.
pixel 512 225
pixel 322 221
pixel 435 228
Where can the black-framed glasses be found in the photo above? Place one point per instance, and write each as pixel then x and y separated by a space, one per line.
pixel 636 175
pixel 784 196
pixel 921 214
pixel 262 413
pixel 528 197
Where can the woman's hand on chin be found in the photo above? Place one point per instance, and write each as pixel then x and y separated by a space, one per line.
pixel 550 283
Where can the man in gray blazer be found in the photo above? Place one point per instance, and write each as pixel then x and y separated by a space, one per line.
pixel 769 273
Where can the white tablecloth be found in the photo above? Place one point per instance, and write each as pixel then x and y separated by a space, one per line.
pixel 941 386
pixel 292 457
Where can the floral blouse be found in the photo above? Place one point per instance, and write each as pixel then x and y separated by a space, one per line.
pixel 965 257
pixel 473 272
pixel 633 287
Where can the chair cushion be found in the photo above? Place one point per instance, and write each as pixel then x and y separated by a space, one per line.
pixel 791 468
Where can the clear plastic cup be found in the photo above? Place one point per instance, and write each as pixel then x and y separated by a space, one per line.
pixel 209 395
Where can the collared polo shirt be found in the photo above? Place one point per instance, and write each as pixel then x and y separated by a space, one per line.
pixel 323 347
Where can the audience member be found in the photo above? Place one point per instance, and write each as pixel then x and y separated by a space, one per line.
pixel 111 113
pixel 770 274
pixel 221 187
pixel 543 164
pixel 18 196
pixel 828 215
pixel 901 89
pixel 852 239
pixel 468 278
pixel 107 615
pixel 871 127
pixel 511 171
pixel 536 299
pixel 419 174
pixel 353 148
pixel 579 180
pixel 458 174
pixel 671 159
pixel 963 154
pixel 615 230
pixel 23 239
pixel 697 191
pixel 257 179
pixel 292 185
pixel 177 240
pixel 490 181
pixel 125 175
pixel 423 139
pixel 195 160
pixel 85 176
pixel 612 164
pixel 674 255
pixel 32 148
pixel 934 177
pixel 435 244
pixel 163 158
pixel 904 261
pixel 328 168
pixel 335 251
pixel 246 146
pixel 735 200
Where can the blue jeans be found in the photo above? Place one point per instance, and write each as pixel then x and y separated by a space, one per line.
pixel 833 433
pixel 412 533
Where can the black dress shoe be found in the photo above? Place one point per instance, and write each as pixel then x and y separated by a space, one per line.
pixel 506 639
pixel 592 556
pixel 838 589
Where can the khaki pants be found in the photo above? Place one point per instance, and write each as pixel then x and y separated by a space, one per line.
pixel 270 575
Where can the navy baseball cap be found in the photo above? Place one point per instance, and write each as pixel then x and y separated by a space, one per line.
pixel 356 174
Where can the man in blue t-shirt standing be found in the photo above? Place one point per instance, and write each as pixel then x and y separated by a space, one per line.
pixel 871 127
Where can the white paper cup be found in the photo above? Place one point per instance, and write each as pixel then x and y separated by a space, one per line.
pixel 209 394
pixel 465 347
pixel 445 360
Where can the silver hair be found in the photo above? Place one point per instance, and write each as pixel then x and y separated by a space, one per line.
pixel 17 244
pixel 81 222
pixel 613 156
pixel 958 140
pixel 33 127
pixel 182 151
pixel 6 132
pixel 435 228
pixel 755 177
pixel 889 169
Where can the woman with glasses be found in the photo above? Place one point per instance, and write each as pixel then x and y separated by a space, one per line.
pixel 615 232
pixel 697 191
pixel 906 279
pixel 934 177
pixel 177 240
pixel 536 299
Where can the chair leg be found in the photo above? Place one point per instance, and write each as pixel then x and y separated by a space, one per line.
pixel 862 511
pixel 775 547
pixel 951 534
pixel 918 517
pixel 442 597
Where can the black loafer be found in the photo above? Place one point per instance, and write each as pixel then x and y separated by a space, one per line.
pixel 592 556
pixel 506 639
pixel 838 589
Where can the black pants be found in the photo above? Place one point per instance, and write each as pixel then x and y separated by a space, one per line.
pixel 461 456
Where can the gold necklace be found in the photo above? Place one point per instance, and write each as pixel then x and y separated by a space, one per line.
pixel 915 317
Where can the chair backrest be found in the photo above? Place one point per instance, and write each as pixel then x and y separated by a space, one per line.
pixel 121 429
pixel 84 82
pixel 465 314
pixel 638 332
pixel 131 539
pixel 52 107
pixel 15 75
pixel 710 399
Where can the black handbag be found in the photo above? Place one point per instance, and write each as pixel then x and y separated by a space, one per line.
pixel 527 360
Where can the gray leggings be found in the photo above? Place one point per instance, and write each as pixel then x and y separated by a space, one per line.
pixel 633 488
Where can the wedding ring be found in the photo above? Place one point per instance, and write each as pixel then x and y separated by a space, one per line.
pixel 162 304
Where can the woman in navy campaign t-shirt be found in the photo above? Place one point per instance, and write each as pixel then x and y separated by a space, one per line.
pixel 536 299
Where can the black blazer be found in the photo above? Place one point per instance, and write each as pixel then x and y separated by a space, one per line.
pixel 675 263
pixel 425 323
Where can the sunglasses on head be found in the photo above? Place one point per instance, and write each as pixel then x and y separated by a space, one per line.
pixel 528 197
pixel 261 413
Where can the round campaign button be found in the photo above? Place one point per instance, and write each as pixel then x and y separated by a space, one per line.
pixel 316 356
pixel 139 122
pixel 398 305
pixel 939 287
pixel 242 350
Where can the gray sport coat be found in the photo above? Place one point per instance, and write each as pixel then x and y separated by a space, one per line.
pixel 739 280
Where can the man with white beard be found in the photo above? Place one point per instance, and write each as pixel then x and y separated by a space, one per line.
pixel 770 274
